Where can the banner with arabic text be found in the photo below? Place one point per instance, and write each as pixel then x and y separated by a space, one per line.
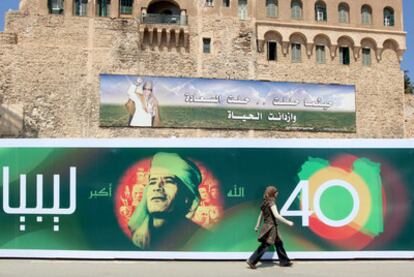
pixel 200 199
pixel 143 101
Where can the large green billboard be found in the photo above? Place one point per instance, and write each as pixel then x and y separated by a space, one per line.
pixel 200 199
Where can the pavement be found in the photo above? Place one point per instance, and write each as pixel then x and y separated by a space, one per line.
pixel 125 268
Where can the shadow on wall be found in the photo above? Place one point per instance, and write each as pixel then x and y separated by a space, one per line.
pixel 11 120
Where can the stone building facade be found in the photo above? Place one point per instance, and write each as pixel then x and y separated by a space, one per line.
pixel 53 51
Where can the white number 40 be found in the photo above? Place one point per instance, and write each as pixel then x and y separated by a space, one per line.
pixel 305 212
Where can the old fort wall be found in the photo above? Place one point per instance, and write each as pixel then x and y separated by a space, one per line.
pixel 51 64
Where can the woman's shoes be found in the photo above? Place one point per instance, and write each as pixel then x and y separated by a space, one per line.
pixel 252 266
pixel 286 264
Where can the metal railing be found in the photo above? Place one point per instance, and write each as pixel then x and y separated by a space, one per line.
pixel 154 18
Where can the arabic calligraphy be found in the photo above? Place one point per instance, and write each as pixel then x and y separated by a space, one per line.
pixel 244 117
pixel 237 100
pixel 281 102
pixel 319 103
pixel 285 101
pixel 39 209
pixel 101 193
pixel 279 116
pixel 236 192
pixel 286 117
pixel 190 98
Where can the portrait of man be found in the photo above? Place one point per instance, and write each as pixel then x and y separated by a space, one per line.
pixel 161 220
pixel 142 105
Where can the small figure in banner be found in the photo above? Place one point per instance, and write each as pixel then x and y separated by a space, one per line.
pixel 161 220
pixel 142 105
pixel 269 234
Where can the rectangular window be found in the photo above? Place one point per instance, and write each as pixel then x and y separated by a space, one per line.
pixel 366 18
pixel 343 16
pixel 320 13
pixel 125 7
pixel 56 6
pixel 296 53
pixel 389 21
pixel 296 11
pixel 209 3
pixel 344 57
pixel 271 51
pixel 226 3
pixel 320 54
pixel 242 9
pixel 103 7
pixel 271 8
pixel 206 45
pixel 366 56
pixel 81 7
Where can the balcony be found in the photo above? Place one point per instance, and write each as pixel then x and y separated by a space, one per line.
pixel 164 30
pixel 171 19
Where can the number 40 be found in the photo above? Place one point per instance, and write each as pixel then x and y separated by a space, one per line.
pixel 302 189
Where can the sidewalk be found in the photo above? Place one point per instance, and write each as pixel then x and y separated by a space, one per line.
pixel 41 268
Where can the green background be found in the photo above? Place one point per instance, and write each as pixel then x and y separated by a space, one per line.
pixel 94 224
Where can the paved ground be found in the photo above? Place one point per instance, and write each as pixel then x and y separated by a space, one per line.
pixel 74 268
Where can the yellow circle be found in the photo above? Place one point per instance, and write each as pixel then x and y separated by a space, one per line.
pixel 332 173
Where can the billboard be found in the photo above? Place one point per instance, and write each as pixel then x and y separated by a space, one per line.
pixel 143 101
pixel 200 199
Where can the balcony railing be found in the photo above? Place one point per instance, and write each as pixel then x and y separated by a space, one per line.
pixel 154 18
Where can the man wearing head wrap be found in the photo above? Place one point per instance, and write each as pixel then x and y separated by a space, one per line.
pixel 160 220
pixel 142 105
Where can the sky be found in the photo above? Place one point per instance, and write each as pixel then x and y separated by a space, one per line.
pixel 407 64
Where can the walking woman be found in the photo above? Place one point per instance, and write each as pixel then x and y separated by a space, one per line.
pixel 269 234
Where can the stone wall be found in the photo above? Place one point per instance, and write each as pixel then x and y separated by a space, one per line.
pixel 7 44
pixel 409 115
pixel 54 71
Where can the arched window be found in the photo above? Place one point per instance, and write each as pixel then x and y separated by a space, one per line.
pixel 271 8
pixel 103 7
pixel 343 11
pixel 322 44
pixel 368 47
pixel 296 8
pixel 271 50
pixel 366 15
pixel 366 57
pixel 345 45
pixel 320 11
pixel 296 49
pixel 80 7
pixel 164 12
pixel 272 39
pixel 55 6
pixel 320 54
pixel 125 7
pixel 297 41
pixel 344 55
pixel 389 16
